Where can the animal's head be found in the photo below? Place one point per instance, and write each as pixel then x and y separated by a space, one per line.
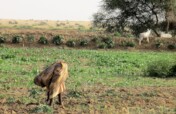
pixel 149 30
pixel 58 68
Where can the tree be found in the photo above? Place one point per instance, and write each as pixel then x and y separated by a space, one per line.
pixel 139 15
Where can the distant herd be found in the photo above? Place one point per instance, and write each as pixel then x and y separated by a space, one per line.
pixel 146 35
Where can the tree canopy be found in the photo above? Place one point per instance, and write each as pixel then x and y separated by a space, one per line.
pixel 139 15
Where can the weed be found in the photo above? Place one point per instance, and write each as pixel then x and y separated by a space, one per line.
pixel 57 40
pixel 171 46
pixel 30 38
pixel 11 100
pixel 84 42
pixel 42 109
pixel 16 39
pixel 2 40
pixel 71 43
pixel 43 40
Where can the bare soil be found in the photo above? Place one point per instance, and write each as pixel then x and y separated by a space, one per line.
pixel 101 99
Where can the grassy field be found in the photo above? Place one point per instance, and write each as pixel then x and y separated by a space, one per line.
pixel 44 24
pixel 99 81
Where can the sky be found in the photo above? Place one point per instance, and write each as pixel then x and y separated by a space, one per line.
pixel 78 10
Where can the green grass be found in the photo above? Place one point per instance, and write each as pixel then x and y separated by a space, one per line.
pixel 88 70
pixel 110 68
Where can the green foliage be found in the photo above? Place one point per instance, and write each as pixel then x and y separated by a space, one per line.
pixel 11 100
pixel 107 42
pixel 117 34
pixel 34 93
pixel 57 40
pixel 84 42
pixel 75 94
pixel 102 45
pixel 2 39
pixel 95 39
pixel 160 68
pixel 173 71
pixel 151 11
pixel 43 40
pixel 42 109
pixel 8 56
pixel 17 39
pixel 159 44
pixel 128 44
pixel 71 43
pixel 30 38
pixel 171 46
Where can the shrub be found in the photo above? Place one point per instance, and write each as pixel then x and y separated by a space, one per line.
pixel 128 44
pixel 43 40
pixel 158 45
pixel 57 40
pixel 2 40
pixel 95 39
pixel 171 46
pixel 109 42
pixel 17 39
pixel 71 43
pixel 102 45
pixel 160 68
pixel 84 42
pixel 173 71
pixel 117 34
pixel 42 109
pixel 30 38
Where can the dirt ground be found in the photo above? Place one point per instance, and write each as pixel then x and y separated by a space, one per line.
pixel 102 100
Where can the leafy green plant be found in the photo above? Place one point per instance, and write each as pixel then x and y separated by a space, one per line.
pixel 95 39
pixel 11 100
pixel 171 46
pixel 128 44
pixel 2 39
pixel 160 68
pixel 109 42
pixel 30 38
pixel 117 34
pixel 43 40
pixel 159 45
pixel 17 39
pixel 71 43
pixel 173 71
pixel 57 40
pixel 84 42
pixel 42 109
pixel 102 45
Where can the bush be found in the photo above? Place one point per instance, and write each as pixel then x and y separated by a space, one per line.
pixel 2 40
pixel 95 39
pixel 30 38
pixel 117 34
pixel 158 45
pixel 57 40
pixel 17 39
pixel 43 40
pixel 171 46
pixel 102 45
pixel 160 68
pixel 173 71
pixel 84 42
pixel 42 109
pixel 128 44
pixel 109 42
pixel 71 43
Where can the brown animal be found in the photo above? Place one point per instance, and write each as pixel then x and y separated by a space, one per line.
pixel 53 78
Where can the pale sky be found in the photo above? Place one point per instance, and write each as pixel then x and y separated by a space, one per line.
pixel 80 10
